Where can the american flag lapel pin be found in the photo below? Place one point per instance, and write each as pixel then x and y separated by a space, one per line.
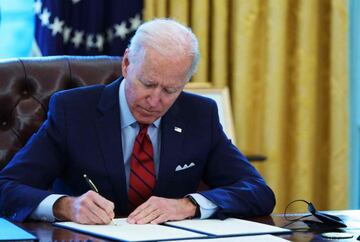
pixel 177 129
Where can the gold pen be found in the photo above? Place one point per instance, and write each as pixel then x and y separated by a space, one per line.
pixel 94 188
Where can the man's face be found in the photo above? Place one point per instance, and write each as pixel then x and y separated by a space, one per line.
pixel 153 84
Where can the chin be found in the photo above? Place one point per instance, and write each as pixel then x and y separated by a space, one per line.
pixel 145 120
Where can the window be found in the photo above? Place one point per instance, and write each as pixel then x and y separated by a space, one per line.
pixel 16 28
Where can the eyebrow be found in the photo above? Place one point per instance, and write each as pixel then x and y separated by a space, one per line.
pixel 147 81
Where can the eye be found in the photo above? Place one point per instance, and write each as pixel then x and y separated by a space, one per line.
pixel 170 90
pixel 147 84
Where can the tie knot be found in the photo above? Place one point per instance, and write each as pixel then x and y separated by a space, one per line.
pixel 143 128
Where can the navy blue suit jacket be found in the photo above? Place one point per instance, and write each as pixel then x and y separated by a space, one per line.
pixel 82 135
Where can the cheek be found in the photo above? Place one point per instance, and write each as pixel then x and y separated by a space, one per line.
pixel 137 96
pixel 131 95
pixel 130 98
pixel 168 102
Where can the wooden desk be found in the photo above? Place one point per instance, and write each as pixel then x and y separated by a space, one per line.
pixel 47 232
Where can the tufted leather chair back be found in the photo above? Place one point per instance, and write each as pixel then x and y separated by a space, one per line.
pixel 26 85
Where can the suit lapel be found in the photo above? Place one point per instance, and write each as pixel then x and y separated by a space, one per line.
pixel 109 133
pixel 171 147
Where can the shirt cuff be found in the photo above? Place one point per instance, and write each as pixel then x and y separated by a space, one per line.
pixel 44 211
pixel 207 208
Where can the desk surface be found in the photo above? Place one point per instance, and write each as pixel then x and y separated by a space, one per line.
pixel 47 232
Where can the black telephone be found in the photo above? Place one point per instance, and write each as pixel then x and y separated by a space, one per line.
pixel 327 219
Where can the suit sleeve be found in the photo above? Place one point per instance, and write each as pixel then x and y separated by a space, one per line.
pixel 28 177
pixel 238 189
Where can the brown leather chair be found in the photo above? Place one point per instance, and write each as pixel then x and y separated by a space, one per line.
pixel 26 85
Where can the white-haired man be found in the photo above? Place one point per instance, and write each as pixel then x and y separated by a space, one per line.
pixel 144 143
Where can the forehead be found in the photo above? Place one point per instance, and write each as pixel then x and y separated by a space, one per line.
pixel 165 70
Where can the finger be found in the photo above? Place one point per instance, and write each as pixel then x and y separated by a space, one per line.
pixel 100 214
pixel 85 216
pixel 149 217
pixel 94 212
pixel 162 218
pixel 140 213
pixel 140 208
pixel 103 203
pixel 137 211
pixel 146 211
pixel 91 218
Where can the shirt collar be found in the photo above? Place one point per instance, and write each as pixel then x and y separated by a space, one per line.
pixel 126 117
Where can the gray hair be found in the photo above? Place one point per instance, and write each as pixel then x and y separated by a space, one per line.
pixel 168 38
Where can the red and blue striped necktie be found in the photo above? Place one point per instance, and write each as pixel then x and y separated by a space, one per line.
pixel 142 171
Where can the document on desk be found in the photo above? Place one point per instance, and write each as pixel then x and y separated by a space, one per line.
pixel 252 238
pixel 124 231
pixel 11 232
pixel 229 226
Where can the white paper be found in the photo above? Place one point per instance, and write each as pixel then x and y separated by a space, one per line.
pixel 229 226
pixel 253 238
pixel 131 232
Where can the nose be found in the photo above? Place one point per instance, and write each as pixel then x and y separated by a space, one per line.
pixel 154 98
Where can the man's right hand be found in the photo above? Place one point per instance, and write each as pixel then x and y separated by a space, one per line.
pixel 89 208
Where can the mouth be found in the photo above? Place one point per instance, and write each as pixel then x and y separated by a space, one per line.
pixel 149 112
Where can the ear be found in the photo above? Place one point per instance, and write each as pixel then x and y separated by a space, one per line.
pixel 125 63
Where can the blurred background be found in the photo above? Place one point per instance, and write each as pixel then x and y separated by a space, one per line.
pixel 292 67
